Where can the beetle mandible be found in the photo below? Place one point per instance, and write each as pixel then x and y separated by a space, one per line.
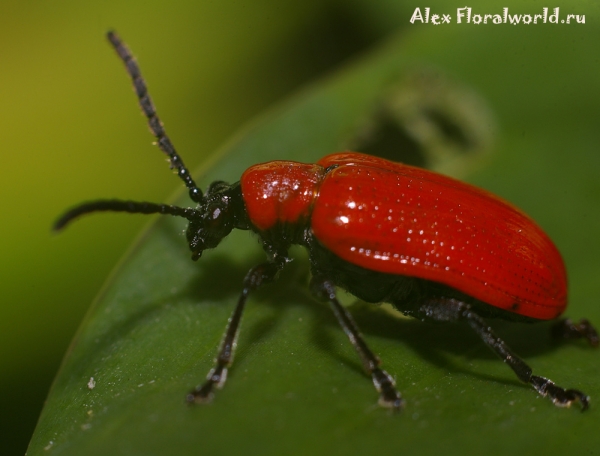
pixel 436 248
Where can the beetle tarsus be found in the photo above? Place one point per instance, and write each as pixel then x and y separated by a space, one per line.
pixel 389 397
pixel 204 393
pixel 201 395
pixel 568 329
pixel 559 396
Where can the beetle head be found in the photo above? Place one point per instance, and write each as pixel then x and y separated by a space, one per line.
pixel 220 211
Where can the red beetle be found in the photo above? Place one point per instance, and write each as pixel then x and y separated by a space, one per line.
pixel 434 247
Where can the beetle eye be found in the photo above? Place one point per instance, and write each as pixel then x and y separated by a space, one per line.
pixel 216 218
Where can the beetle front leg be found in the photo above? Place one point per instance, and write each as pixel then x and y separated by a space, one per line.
pixel 452 310
pixel 258 275
pixel 384 383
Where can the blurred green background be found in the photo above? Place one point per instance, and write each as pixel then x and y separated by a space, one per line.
pixel 72 131
pixel 70 124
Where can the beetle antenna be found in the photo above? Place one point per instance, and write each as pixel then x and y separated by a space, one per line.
pixel 132 207
pixel 156 126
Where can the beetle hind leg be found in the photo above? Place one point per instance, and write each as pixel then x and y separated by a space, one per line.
pixel 559 396
pixel 389 396
pixel 568 329
pixel 452 310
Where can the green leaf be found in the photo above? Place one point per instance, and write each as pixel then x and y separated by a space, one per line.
pixel 296 386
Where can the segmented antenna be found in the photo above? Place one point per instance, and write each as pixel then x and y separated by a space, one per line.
pixel 114 205
pixel 156 126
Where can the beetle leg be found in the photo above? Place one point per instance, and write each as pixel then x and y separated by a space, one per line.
pixel 257 276
pixel 452 310
pixel 568 329
pixel 384 383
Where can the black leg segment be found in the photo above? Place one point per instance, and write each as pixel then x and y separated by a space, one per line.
pixel 257 276
pixel 384 383
pixel 452 310
pixel 567 329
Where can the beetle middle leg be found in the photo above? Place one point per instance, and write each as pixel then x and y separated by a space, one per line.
pixel 384 383
pixel 257 276
pixel 452 310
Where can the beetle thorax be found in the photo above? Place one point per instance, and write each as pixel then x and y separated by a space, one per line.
pixel 280 193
